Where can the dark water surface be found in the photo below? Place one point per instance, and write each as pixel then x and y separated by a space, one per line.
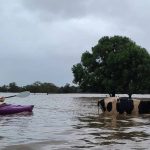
pixel 71 121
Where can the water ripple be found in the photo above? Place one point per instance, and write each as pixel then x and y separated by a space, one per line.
pixel 71 122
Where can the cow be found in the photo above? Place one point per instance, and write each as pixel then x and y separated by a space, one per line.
pixel 118 105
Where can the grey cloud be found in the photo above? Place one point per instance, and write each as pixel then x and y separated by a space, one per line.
pixel 124 16
pixel 82 8
pixel 57 9
pixel 125 12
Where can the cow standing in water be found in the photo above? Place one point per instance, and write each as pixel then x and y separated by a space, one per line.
pixel 116 105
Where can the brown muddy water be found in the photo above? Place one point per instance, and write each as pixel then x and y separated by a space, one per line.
pixel 71 122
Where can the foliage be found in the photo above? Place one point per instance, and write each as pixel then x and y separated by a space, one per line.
pixel 115 65
pixel 68 89
pixel 39 87
pixel 13 87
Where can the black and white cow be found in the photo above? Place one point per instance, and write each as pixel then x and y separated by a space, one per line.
pixel 116 105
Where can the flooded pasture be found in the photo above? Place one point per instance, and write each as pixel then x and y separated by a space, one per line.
pixel 71 122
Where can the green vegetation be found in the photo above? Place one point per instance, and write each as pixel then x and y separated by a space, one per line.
pixel 115 65
pixel 38 87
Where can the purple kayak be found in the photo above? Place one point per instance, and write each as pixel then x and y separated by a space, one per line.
pixel 6 109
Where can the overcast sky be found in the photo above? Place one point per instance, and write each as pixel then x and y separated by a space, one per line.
pixel 40 40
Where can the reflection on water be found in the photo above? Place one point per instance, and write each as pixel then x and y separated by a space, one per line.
pixel 104 130
pixel 72 122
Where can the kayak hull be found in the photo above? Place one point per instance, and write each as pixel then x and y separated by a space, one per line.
pixel 7 109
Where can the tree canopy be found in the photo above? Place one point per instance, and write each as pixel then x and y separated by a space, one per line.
pixel 115 65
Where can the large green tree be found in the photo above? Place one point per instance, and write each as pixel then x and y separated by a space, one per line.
pixel 115 65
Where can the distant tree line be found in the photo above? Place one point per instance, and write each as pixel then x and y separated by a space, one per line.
pixel 39 87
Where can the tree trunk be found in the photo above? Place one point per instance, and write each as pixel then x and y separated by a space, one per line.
pixel 113 93
pixel 130 95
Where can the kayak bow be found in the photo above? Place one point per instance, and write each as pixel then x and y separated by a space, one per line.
pixel 6 109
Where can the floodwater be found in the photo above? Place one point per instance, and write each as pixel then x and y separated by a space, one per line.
pixel 71 122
